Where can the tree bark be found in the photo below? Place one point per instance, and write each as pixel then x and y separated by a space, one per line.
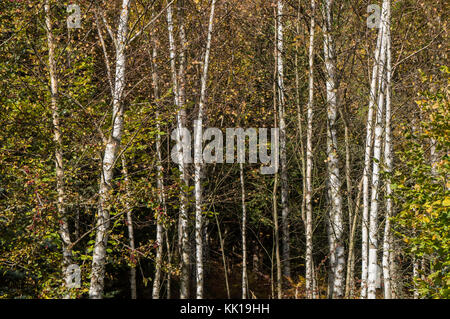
pixel 244 235
pixel 388 161
pixel 198 160
pixel 366 172
pixel 373 218
pixel 275 185
pixel 59 162
pixel 160 185
pixel 349 284
pixel 309 162
pixel 282 126
pixel 336 228
pixel 109 159
pixel 183 219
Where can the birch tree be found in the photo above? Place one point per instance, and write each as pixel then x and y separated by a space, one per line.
pixel 159 181
pixel 388 262
pixel 109 158
pixel 276 229
pixel 57 136
pixel 309 160
pixel 337 259
pixel 283 158
pixel 244 234
pixel 183 219
pixel 198 161
pixel 366 172
pixel 373 218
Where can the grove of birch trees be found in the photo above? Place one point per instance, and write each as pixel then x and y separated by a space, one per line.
pixel 98 199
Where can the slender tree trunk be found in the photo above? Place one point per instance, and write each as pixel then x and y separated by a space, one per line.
pixel 373 217
pixel 277 237
pixel 300 119
pixel 109 159
pixel 349 284
pixel 349 276
pixel 244 235
pixel 187 250
pixel 198 160
pixel 129 219
pixel 337 258
pixel 275 188
pixel 169 260
pixel 366 172
pixel 57 137
pixel 283 158
pixel 415 275
pixel 387 241
pixel 160 185
pixel 183 221
pixel 309 162
pixel 222 248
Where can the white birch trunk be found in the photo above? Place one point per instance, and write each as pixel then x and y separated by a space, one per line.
pixel 283 159
pixel 160 184
pixel 183 221
pixel 349 273
pixel 415 275
pixel 309 162
pixel 373 217
pixel 198 161
pixel 337 257
pixel 244 235
pixel 366 172
pixel 387 241
pixel 57 136
pixel 109 159
pixel 276 231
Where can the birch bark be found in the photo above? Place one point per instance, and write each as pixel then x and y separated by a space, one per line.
pixel 276 230
pixel 366 172
pixel 388 161
pixel 373 217
pixel 198 160
pixel 244 235
pixel 109 159
pixel 336 228
pixel 283 159
pixel 159 182
pixel 57 137
pixel 309 161
pixel 183 220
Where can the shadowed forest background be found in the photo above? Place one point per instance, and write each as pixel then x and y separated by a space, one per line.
pixel 89 101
